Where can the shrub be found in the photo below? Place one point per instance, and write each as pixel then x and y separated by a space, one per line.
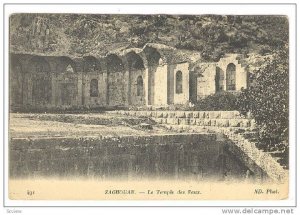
pixel 267 100
pixel 224 101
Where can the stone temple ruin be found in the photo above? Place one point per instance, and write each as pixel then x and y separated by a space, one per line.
pixel 155 75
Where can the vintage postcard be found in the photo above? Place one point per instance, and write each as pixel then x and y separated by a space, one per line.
pixel 148 107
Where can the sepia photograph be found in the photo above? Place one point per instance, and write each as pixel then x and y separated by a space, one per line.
pixel 148 106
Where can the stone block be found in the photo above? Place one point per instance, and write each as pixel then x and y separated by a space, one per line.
pixel 180 114
pixel 199 122
pixel 157 120
pixel 246 123
pixel 145 113
pixel 183 121
pixel 227 114
pixel 206 115
pixel 213 122
pixel 172 114
pixel 165 114
pixel 172 121
pixel 214 114
pixel 207 122
pixel 195 114
pixel 237 115
pixel 201 114
pixel 235 123
pixel 159 114
pixel 188 114
pixel 149 113
pixel 222 122
pixel 163 121
pixel 138 113
pixel 192 121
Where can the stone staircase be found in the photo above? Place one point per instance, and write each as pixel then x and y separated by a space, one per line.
pixel 236 127
pixel 199 118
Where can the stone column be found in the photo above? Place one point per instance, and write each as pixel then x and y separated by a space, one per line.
pixel 127 87
pixel 146 86
pixel 53 90
pixel 79 89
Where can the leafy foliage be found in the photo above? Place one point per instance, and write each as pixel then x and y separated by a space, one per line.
pixel 223 101
pixel 267 99
pixel 211 35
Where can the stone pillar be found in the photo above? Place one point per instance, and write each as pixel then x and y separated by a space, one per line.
pixel 53 90
pixel 84 89
pixel 107 88
pixel 30 81
pixel 79 89
pixel 127 87
pixel 146 86
pixel 104 88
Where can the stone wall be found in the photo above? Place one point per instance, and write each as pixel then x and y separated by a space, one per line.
pixel 241 73
pixel 99 100
pixel 161 85
pixel 134 99
pixel 205 80
pixel 116 84
pixel 183 156
pixel 50 82
pixel 181 98
pixel 201 118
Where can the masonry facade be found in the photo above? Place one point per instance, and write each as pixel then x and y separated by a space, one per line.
pixel 156 75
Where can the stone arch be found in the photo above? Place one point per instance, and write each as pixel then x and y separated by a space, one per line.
pixel 136 66
pixel 40 72
pixel 94 91
pixel 65 65
pixel 91 64
pixel 115 81
pixel 135 61
pixel 114 63
pixel 16 82
pixel 140 86
pixel 231 77
pixel 219 79
pixel 178 82
pixel 154 56
pixel 38 65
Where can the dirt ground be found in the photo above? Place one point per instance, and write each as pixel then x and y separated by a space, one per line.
pixel 80 125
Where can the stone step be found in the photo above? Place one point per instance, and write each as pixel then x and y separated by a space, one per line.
pixel 207 122
pixel 186 114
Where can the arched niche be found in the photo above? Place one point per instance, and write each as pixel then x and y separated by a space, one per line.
pixel 94 91
pixel 179 82
pixel 40 72
pixel 38 65
pixel 154 57
pixel 65 65
pixel 140 86
pixel 91 64
pixel 231 77
pixel 135 62
pixel 16 82
pixel 114 63
pixel 219 79
pixel 115 93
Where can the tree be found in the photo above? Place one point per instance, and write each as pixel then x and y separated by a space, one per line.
pixel 267 99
